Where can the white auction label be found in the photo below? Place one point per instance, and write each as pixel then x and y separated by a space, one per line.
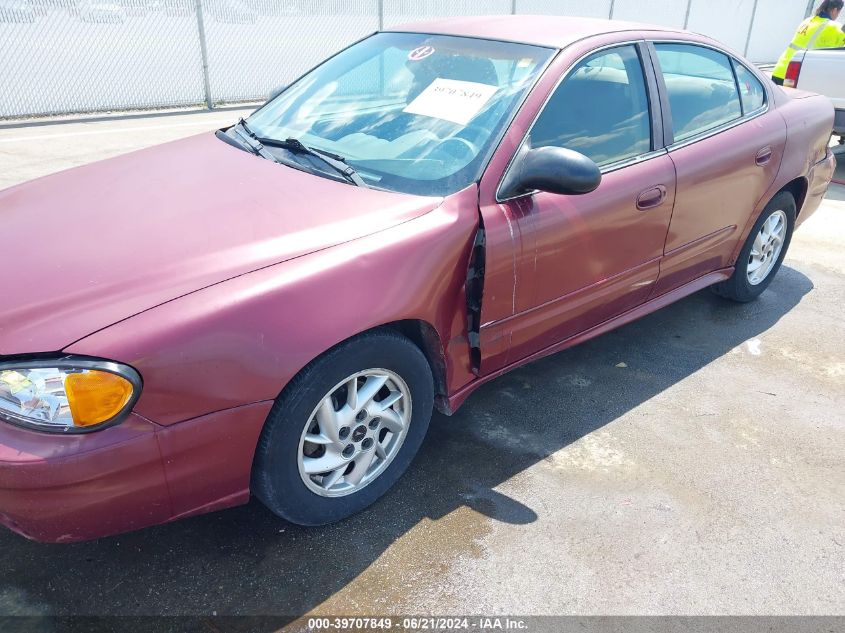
pixel 452 100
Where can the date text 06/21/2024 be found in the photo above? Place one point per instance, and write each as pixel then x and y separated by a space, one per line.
pixel 417 624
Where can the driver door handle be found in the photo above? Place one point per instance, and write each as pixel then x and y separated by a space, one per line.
pixel 651 198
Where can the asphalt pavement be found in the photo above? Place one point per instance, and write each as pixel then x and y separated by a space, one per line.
pixel 688 463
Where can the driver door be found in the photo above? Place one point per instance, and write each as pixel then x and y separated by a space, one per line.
pixel 583 259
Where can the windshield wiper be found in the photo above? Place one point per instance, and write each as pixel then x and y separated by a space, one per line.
pixel 251 141
pixel 336 162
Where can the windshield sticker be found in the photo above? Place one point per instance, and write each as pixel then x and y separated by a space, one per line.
pixel 421 53
pixel 452 100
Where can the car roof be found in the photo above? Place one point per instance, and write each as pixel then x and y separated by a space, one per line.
pixel 542 30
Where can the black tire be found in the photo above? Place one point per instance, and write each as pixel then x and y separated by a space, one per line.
pixel 276 479
pixel 738 287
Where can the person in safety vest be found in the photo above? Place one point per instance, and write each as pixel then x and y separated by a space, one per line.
pixel 819 31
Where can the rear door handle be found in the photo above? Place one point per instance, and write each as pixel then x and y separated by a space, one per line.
pixel 651 198
pixel 764 156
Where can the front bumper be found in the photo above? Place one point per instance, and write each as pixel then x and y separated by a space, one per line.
pixel 62 488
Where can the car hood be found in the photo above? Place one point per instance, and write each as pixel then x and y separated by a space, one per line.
pixel 85 248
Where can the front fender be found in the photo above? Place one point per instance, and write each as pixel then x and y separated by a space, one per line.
pixel 241 341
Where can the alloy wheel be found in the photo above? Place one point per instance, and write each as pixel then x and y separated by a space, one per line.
pixel 766 248
pixel 354 433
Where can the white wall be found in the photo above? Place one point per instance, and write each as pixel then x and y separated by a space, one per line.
pixel 774 29
pixel 665 12
pixel 728 21
pixel 725 20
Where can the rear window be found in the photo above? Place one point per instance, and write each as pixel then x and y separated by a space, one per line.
pixel 701 88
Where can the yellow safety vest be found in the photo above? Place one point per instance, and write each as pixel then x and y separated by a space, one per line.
pixel 815 32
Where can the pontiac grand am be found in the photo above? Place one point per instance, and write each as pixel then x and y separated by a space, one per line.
pixel 275 308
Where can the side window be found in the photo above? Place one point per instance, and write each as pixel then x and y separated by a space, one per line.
pixel 600 109
pixel 701 88
pixel 751 91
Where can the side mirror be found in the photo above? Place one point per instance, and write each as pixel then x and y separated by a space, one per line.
pixel 554 170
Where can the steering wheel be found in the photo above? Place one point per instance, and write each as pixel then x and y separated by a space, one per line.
pixel 465 149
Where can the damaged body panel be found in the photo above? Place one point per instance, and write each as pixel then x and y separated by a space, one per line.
pixel 295 301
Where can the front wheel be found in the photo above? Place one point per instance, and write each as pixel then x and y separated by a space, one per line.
pixel 344 430
pixel 763 252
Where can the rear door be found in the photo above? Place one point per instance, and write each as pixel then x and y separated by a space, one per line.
pixel 726 148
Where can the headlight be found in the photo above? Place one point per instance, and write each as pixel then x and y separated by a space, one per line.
pixel 68 395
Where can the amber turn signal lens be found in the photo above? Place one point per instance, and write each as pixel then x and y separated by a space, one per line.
pixel 96 396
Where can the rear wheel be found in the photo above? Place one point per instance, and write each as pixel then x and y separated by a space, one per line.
pixel 763 252
pixel 344 430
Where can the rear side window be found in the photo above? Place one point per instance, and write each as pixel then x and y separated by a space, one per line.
pixel 600 109
pixel 701 88
pixel 751 91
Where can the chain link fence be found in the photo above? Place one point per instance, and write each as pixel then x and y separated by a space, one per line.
pixel 76 56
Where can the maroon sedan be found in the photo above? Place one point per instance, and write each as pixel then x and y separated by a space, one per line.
pixel 276 308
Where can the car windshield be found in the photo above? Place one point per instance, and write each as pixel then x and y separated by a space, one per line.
pixel 410 112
